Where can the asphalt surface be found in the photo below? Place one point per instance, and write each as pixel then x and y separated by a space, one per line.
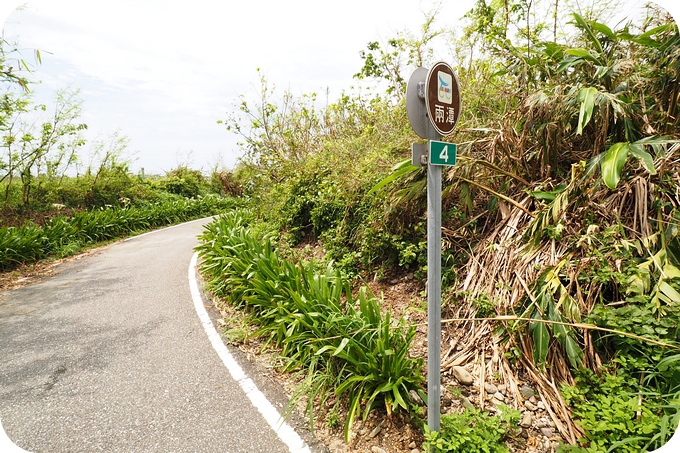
pixel 109 355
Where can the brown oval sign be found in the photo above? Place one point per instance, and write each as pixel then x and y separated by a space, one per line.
pixel 442 98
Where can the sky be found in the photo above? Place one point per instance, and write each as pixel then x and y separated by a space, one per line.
pixel 163 72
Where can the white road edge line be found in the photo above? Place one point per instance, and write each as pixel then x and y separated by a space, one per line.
pixel 285 432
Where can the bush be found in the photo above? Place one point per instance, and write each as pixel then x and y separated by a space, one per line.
pixel 61 236
pixel 184 182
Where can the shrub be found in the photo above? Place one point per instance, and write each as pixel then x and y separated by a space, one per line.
pixel 62 235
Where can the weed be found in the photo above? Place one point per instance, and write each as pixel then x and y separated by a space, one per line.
pixel 473 431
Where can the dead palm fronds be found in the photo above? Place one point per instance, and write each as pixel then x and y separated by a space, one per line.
pixel 531 266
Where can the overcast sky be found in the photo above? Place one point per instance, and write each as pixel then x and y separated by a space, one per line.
pixel 162 72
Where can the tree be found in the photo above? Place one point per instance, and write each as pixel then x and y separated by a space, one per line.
pixel 10 74
pixel 401 54
pixel 274 131
pixel 32 146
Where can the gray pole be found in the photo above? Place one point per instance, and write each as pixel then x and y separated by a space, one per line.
pixel 417 113
pixel 434 293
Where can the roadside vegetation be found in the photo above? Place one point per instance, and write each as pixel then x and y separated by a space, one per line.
pixel 344 348
pixel 60 194
pixel 561 260
pixel 560 238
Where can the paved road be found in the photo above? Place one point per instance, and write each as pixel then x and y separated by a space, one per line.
pixel 110 355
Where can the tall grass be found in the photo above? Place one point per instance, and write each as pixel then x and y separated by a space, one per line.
pixel 338 338
pixel 62 236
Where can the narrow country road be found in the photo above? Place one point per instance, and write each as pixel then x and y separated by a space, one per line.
pixel 110 355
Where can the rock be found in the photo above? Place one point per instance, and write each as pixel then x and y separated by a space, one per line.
pixel 462 375
pixel 499 396
pixel 415 450
pixel 496 402
pixel 415 398
pixel 375 432
pixel 530 406
pixel 338 446
pixel 540 405
pixel 490 388
pixel 466 403
pixel 533 400
pixel 502 388
pixel 526 420
pixel 547 432
pixel 412 445
pixel 376 449
pixel 527 392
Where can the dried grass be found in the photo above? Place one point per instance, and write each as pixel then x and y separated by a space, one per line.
pixel 504 266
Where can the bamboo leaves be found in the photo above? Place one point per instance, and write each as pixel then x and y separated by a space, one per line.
pixel 541 337
pixel 662 268
pixel 551 317
pixel 399 170
pixel 586 97
pixel 586 26
pixel 615 158
pixel 613 163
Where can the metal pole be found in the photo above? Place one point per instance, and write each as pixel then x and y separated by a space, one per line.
pixel 434 293
pixel 416 108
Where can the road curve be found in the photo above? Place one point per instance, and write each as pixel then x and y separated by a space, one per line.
pixel 110 355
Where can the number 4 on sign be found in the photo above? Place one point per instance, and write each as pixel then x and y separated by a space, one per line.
pixel 442 153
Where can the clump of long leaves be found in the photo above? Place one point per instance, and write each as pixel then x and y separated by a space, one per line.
pixel 62 236
pixel 338 338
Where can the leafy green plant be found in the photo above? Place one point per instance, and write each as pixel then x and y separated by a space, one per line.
pixel 340 339
pixel 473 431
pixel 619 414
pixel 61 235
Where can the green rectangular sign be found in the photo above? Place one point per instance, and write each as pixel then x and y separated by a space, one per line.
pixel 442 153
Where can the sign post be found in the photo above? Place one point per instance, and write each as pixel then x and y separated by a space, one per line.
pixel 433 108
pixel 434 294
